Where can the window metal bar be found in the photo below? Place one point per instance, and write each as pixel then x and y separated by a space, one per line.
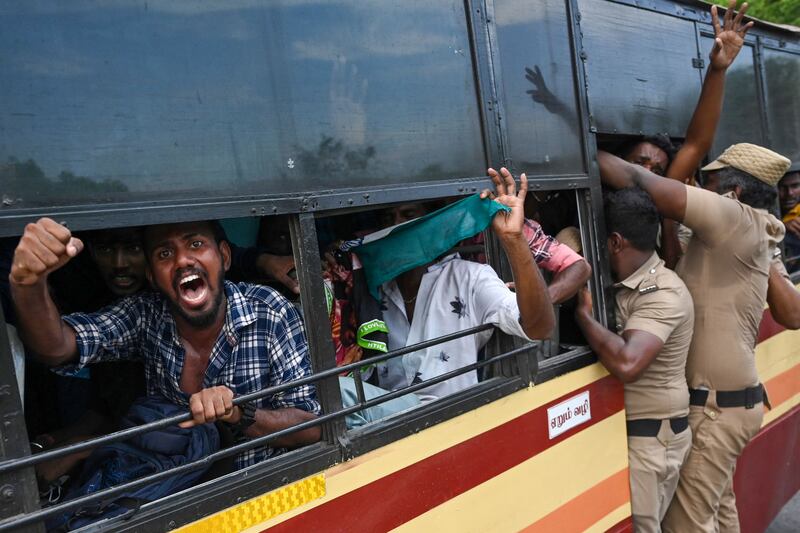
pixel 359 386
pixel 305 246
pixel 7 466
pixel 107 494
pixel 19 491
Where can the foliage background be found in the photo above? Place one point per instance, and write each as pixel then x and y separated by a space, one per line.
pixel 780 11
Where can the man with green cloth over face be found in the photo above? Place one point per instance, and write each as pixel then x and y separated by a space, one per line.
pixel 438 296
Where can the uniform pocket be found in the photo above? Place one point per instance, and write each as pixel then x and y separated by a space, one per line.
pixel 700 420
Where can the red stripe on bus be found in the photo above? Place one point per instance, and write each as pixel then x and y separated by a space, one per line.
pixel 768 327
pixel 626 526
pixel 392 500
pixel 767 472
pixel 783 386
pixel 587 508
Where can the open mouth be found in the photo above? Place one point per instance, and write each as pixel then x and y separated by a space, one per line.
pixel 192 289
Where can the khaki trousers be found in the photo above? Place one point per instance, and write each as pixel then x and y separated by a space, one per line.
pixel 704 500
pixel 655 464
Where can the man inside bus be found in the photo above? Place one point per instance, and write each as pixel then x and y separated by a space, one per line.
pixel 726 268
pixel 655 319
pixel 451 294
pixel 117 258
pixel 202 339
pixel 789 196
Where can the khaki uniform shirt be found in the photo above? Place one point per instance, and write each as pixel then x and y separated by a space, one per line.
pixel 777 262
pixel 655 300
pixel 726 268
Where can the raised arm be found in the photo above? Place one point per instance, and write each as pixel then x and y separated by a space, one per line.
pixel 44 247
pixel 626 356
pixel 570 270
pixel 668 195
pixel 728 41
pixel 536 310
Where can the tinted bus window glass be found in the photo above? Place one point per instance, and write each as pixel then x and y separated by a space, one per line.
pixel 134 100
pixel 783 101
pixel 740 121
pixel 543 127
pixel 639 85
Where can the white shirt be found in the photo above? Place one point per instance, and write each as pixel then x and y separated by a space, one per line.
pixel 454 295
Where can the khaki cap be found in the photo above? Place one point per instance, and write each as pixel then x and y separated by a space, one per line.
pixel 759 162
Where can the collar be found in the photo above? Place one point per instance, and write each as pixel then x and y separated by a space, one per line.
pixel 443 261
pixel 239 314
pixel 792 213
pixel 646 270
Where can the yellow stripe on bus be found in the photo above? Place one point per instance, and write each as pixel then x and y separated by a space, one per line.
pixel 528 492
pixel 777 354
pixel 611 519
pixel 778 364
pixel 261 508
pixel 383 461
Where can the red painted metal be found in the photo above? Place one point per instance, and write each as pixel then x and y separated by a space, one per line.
pixel 768 472
pixel 403 495
pixel 626 526
pixel 768 326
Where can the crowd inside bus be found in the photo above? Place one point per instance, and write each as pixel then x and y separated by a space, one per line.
pixel 182 314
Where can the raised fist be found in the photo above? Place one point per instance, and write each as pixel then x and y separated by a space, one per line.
pixel 44 247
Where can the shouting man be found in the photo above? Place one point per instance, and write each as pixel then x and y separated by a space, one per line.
pixel 202 340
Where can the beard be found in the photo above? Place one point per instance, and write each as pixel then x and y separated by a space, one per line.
pixel 206 319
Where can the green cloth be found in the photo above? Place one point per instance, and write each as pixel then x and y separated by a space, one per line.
pixel 242 232
pixel 387 254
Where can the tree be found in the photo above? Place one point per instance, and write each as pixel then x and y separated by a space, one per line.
pixel 779 11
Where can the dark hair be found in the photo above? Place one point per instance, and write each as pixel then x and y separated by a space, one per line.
pixel 755 192
pixel 659 140
pixel 217 232
pixel 632 213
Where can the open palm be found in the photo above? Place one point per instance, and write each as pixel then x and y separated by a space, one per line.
pixel 729 37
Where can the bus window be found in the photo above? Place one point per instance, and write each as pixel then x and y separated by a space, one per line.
pixel 783 101
pixel 636 85
pixel 557 212
pixel 150 99
pixel 789 202
pixel 741 108
pixel 538 86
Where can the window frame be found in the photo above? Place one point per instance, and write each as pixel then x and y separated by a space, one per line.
pixel 339 444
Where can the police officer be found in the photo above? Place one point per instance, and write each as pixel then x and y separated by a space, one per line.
pixel 655 319
pixel 726 268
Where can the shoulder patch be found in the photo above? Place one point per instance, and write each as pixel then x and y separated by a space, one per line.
pixel 648 289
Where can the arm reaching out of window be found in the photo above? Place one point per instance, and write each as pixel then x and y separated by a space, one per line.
pixel 45 247
pixel 668 195
pixel 536 311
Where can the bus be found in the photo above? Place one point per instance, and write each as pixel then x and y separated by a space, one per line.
pixel 308 112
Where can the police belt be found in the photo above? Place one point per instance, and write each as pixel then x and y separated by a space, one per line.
pixel 746 398
pixel 649 427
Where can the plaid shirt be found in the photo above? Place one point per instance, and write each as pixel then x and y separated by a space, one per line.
pixel 262 344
